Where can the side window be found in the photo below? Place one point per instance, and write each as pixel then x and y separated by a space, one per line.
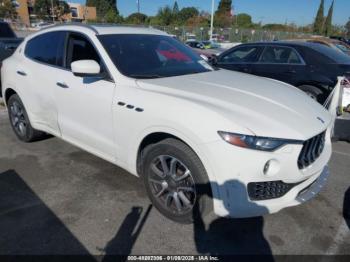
pixel 279 55
pixel 244 54
pixel 79 48
pixel 47 48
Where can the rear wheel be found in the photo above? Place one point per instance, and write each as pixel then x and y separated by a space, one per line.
pixel 20 122
pixel 176 181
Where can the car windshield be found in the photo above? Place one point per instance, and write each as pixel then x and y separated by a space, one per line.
pixel 6 31
pixel 333 54
pixel 152 56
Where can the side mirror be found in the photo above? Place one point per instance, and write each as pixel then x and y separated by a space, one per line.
pixel 86 68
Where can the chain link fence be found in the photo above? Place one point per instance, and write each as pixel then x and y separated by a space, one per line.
pixel 229 35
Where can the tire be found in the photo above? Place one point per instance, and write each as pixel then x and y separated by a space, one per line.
pixel 312 91
pixel 19 121
pixel 347 109
pixel 168 192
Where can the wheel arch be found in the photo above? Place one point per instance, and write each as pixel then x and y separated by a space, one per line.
pixel 8 93
pixel 156 135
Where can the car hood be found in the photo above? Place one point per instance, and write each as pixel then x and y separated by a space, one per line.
pixel 266 107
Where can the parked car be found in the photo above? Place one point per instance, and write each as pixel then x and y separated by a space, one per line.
pixel 340 38
pixel 195 44
pixel 8 42
pixel 199 138
pixel 311 67
pixel 332 43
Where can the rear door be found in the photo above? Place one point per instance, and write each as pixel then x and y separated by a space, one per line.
pixel 240 58
pixel 43 59
pixel 281 63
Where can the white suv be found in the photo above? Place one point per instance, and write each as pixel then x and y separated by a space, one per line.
pixel 200 138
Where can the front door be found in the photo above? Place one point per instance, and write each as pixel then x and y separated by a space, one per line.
pixel 240 58
pixel 85 103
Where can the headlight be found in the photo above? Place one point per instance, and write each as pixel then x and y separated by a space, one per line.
pixel 255 142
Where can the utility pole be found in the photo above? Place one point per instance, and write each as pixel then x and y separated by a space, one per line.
pixel 212 19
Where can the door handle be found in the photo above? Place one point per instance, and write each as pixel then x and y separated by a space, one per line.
pixel 22 73
pixel 62 85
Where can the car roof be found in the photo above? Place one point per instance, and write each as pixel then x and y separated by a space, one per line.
pixel 290 43
pixel 111 29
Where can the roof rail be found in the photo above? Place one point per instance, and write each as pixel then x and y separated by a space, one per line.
pixel 74 24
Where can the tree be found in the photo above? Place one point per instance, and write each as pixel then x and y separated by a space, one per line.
pixel 328 23
pixel 7 9
pixel 176 8
pixel 347 28
pixel 136 19
pixel 225 7
pixel 103 6
pixel 113 17
pixel 187 13
pixel 165 15
pixel 43 9
pixel 243 20
pixel 223 16
pixel 319 21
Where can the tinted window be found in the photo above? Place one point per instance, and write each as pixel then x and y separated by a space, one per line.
pixel 152 56
pixel 332 54
pixel 47 48
pixel 6 31
pixel 279 55
pixel 80 48
pixel 241 55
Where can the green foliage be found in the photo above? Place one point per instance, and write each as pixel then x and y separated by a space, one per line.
pixel 7 9
pixel 225 7
pixel 165 15
pixel 112 17
pixel 223 17
pixel 176 8
pixel 243 20
pixel 319 21
pixel 136 19
pixel 43 9
pixel 186 13
pixel 96 3
pixel 328 23
pixel 347 28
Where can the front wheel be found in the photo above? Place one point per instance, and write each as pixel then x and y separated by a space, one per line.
pixel 176 181
pixel 20 122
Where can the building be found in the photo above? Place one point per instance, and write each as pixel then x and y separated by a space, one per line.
pixel 79 13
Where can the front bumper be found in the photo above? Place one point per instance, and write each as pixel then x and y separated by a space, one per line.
pixel 232 169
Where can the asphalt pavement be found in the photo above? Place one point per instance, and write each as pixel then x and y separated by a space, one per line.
pixel 58 199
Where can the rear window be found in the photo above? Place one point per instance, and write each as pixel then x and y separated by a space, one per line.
pixel 334 55
pixel 6 31
pixel 46 48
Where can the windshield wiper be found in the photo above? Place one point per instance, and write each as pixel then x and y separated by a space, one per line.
pixel 140 76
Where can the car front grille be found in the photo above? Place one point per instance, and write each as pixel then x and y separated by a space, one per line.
pixel 268 190
pixel 311 150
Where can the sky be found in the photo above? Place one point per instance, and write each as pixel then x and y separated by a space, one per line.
pixel 301 12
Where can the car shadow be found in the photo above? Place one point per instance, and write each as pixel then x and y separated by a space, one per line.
pixel 231 236
pixel 346 207
pixel 28 226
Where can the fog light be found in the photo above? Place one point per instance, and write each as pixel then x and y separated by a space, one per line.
pixel 271 168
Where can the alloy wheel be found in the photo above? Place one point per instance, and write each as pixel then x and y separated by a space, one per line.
pixel 18 118
pixel 172 184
